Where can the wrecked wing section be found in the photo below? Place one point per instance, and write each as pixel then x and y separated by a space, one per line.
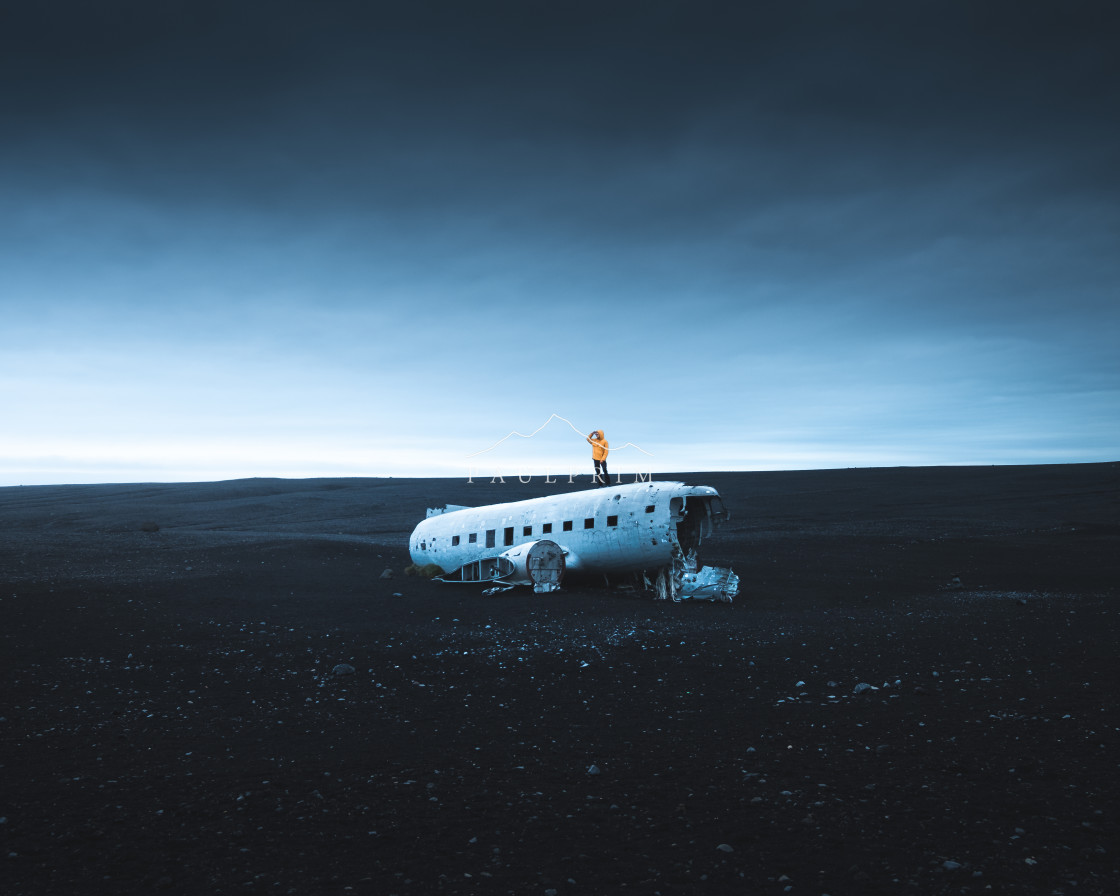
pixel 682 581
pixel 710 583
pixel 489 569
pixel 537 563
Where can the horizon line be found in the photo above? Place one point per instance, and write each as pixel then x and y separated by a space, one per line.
pixel 486 480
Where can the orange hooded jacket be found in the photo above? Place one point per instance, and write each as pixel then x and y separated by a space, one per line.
pixel 599 445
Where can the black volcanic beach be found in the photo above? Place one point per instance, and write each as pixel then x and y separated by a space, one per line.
pixel 215 688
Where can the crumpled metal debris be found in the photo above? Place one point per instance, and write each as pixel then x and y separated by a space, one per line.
pixel 710 583
pixel 684 582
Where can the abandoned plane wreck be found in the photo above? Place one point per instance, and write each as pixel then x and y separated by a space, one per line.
pixel 649 531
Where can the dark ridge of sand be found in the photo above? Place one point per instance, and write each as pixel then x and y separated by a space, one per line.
pixel 170 720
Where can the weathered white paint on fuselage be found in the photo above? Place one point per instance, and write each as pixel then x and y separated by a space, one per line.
pixel 640 540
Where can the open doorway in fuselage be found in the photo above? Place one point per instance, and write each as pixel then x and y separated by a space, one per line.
pixel 692 517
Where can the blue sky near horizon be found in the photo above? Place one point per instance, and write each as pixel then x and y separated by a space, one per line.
pixel 296 239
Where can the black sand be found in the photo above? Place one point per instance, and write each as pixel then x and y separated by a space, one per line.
pixel 171 721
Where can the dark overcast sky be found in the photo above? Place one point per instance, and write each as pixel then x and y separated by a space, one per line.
pixel 741 235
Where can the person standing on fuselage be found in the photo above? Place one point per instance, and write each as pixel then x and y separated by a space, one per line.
pixel 599 451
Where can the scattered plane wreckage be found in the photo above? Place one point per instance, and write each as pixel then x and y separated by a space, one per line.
pixel 648 530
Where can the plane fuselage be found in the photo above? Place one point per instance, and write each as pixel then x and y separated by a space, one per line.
pixel 637 526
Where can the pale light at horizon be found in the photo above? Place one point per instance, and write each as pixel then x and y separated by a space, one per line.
pixel 374 243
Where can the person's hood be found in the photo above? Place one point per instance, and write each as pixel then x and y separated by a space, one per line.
pixel 601 435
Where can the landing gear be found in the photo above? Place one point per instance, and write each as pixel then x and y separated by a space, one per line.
pixel 665 585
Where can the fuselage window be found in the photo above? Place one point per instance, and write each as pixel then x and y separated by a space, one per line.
pixel 490 537
pixel 472 538
pixel 649 508
pixel 546 528
pixel 589 523
pixel 423 545
pixel 509 536
pixel 454 540
pixel 567 525
pixel 528 530
pixel 612 520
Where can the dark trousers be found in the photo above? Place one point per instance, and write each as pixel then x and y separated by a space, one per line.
pixel 601 467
